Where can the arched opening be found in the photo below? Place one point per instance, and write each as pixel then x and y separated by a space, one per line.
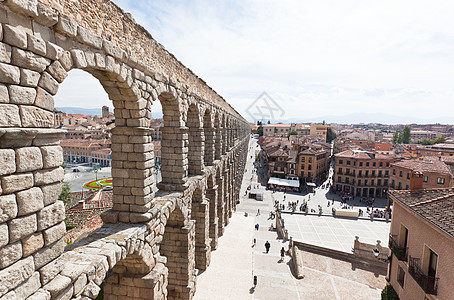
pixel 196 140
pixel 211 195
pixel 200 214
pixel 178 246
pixel 218 137
pixel 209 138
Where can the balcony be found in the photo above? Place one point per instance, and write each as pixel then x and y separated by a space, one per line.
pixel 399 251
pixel 428 283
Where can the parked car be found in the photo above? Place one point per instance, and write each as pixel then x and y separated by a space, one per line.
pixel 76 170
pixel 107 188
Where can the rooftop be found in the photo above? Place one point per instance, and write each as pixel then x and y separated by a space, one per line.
pixel 361 154
pixel 425 165
pixel 434 205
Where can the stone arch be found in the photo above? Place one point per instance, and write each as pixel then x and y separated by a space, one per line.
pixel 195 140
pixel 210 136
pixel 174 150
pixel 200 214
pixel 212 196
pixel 218 136
pixel 178 248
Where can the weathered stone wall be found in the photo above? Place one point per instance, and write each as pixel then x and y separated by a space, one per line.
pixel 150 245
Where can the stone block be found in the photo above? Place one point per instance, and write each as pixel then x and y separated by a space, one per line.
pixel 66 60
pixel 29 201
pixel 91 290
pixel 48 83
pixel 21 95
pixel 28 287
pixel 20 228
pixel 14 36
pixel 46 15
pixel 49 253
pixel 49 271
pixel 9 296
pixel 36 45
pixel 4 96
pixel 17 182
pixel 26 7
pixel 54 233
pixel 41 294
pixel 10 254
pixel 57 71
pixel 7 161
pixel 29 60
pixel 67 25
pixel 44 99
pixel 5 53
pixel 54 52
pixel 51 193
pixel 36 117
pixel 78 58
pixel 32 244
pixel 51 215
pixel 57 285
pixel 48 176
pixel 52 156
pixel 3 234
pixel 29 77
pixel 28 159
pixel 112 50
pixel 9 74
pixel 16 274
pixel 87 37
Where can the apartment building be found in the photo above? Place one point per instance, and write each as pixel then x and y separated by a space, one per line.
pixel 87 151
pixel 434 150
pixel 276 130
pixel 419 135
pixel 362 173
pixel 421 240
pixel 436 173
pixel 319 130
pixel 312 163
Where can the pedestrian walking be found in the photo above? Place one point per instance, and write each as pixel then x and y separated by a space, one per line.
pixel 257 226
pixel 258 212
pixel 282 254
pixel 267 246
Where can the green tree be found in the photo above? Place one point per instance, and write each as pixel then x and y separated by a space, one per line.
pixel 388 293
pixel 260 130
pixel 293 132
pixel 406 135
pixel 65 194
pixel 259 122
pixel 395 137
pixel 440 139
pixel 269 122
pixel 330 135
pixel 426 142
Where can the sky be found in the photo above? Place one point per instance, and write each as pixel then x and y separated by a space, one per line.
pixel 368 61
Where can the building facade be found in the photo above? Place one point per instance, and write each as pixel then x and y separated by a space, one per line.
pixel 319 130
pixel 362 173
pixel 312 163
pixel 436 173
pixel 276 130
pixel 421 264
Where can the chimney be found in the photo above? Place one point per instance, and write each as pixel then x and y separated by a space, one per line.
pixel 416 180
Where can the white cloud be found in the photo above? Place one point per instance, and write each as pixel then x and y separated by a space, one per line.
pixel 316 57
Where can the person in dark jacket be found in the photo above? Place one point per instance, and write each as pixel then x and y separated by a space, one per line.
pixel 267 246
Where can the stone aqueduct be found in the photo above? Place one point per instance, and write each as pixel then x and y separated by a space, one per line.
pixel 151 244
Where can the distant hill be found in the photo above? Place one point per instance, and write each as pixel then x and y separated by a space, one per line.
pixel 79 110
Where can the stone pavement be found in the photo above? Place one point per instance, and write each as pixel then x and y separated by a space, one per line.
pixel 235 262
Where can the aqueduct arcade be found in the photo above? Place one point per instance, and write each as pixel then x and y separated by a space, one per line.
pixel 152 243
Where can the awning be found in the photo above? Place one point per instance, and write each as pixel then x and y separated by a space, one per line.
pixel 284 182
pixel 311 184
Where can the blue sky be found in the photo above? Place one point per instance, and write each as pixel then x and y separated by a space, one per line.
pixel 314 58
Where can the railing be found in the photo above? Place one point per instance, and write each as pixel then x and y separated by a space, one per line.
pixel 428 283
pixel 399 251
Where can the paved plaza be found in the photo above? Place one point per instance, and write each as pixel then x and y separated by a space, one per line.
pixel 335 233
pixel 235 261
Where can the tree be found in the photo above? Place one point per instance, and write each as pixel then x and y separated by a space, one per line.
pixel 388 293
pixel 259 122
pixel 260 130
pixel 396 137
pixel 330 135
pixel 406 135
pixel 293 132
pixel 269 122
pixel 65 194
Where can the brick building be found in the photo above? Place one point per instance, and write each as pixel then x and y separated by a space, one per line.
pixel 421 240
pixel 88 151
pixel 436 173
pixel 362 173
pixel 276 130
pixel 312 163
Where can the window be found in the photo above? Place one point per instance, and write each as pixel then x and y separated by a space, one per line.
pixel 367 164
pixel 365 182
pixel 372 182
pixel 309 174
pixel 340 162
pixel 310 159
pixel 407 187
pixel 340 170
pixel 347 180
pixel 394 171
pixel 367 173
pixel 360 163
pixel 386 173
pixel 374 164
pixel 425 178
pixel 393 183
pixel 401 173
pixel 387 164
pixel 359 182
pixel 348 162
pixel 302 167
pixel 386 182
pixel 381 164
pixel 408 175
pixel 303 159
pixel 440 180
pixel 339 179
pixel 400 276
pixel 309 167
pixel 360 173
pixel 399 186
pixel 302 173
pixel 379 182
pixel 433 259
